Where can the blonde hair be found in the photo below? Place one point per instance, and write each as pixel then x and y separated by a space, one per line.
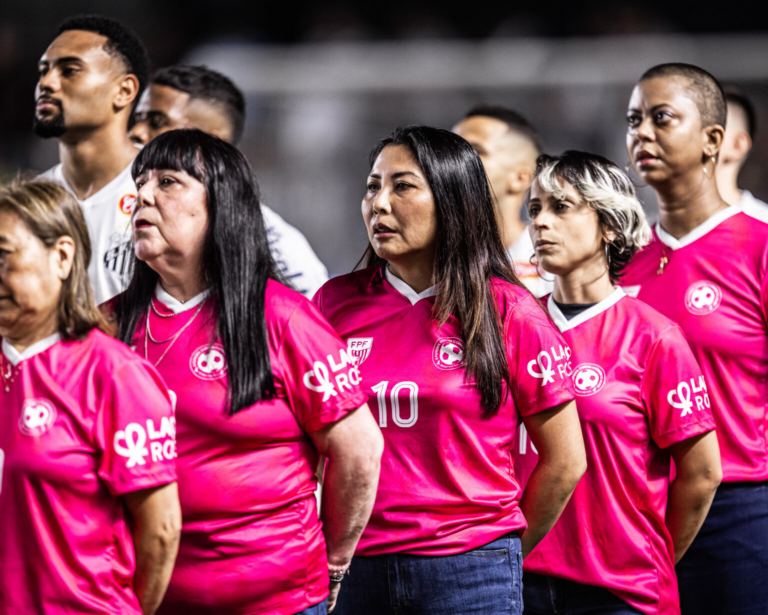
pixel 50 212
pixel 609 191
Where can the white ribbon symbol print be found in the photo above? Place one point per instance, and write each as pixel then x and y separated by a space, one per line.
pixel 324 385
pixel 134 447
pixel 684 395
pixel 546 371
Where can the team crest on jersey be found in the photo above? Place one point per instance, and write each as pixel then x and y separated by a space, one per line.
pixel 703 298
pixel 359 348
pixel 127 203
pixel 37 416
pixel 448 353
pixel 588 379
pixel 208 362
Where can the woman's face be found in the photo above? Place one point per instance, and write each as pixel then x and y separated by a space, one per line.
pixel 31 276
pixel 665 137
pixel 566 233
pixel 170 219
pixel 398 207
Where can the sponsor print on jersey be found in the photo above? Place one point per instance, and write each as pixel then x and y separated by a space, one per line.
pixel 448 353
pixel 703 298
pixel 208 362
pixel 588 379
pixel 551 363
pixel 359 348
pixel 327 381
pixel 131 442
pixel 118 255
pixel 127 203
pixel 37 416
pixel 687 394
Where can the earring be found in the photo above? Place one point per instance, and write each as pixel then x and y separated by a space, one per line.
pixel 705 170
pixel 608 255
pixel 540 272
pixel 626 168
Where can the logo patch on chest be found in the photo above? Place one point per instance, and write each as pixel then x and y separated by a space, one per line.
pixel 448 353
pixel 208 362
pixel 37 416
pixel 359 348
pixel 703 298
pixel 588 379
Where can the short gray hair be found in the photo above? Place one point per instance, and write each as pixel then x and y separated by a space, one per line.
pixel 608 190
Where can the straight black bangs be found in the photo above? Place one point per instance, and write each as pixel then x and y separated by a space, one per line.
pixel 176 150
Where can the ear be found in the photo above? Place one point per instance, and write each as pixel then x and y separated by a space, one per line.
pixel 713 140
pixel 63 253
pixel 519 179
pixel 128 89
pixel 742 144
pixel 608 236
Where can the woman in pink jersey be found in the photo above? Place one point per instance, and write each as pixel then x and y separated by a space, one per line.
pixel 642 402
pixel 89 514
pixel 263 387
pixel 706 269
pixel 454 352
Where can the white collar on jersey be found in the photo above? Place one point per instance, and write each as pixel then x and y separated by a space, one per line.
pixel 406 290
pixel 176 306
pixel 697 233
pixel 565 325
pixel 15 357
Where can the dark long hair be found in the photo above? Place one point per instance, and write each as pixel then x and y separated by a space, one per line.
pixel 237 262
pixel 468 252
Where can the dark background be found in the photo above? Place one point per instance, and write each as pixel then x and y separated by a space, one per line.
pixel 309 146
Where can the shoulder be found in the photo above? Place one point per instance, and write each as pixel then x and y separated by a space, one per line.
pixel 642 320
pixel 108 356
pixel 348 286
pixel 515 301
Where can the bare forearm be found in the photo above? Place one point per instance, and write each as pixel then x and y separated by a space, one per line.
pixel 546 495
pixel 349 490
pixel 689 502
pixel 155 556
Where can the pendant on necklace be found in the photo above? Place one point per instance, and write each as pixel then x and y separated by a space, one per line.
pixel 662 264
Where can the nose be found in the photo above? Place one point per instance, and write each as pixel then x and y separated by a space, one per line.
pixel 145 197
pixel 140 133
pixel 381 202
pixel 48 82
pixel 645 129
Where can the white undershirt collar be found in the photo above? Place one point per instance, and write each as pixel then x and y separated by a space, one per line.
pixel 176 306
pixel 406 290
pixel 564 324
pixel 15 357
pixel 697 233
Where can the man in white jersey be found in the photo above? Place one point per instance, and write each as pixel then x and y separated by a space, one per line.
pixel 197 97
pixel 739 134
pixel 508 145
pixel 90 77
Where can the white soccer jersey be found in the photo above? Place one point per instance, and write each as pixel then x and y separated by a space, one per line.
pixel 108 216
pixel 295 258
pixel 753 207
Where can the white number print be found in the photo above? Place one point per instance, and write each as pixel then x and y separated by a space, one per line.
pixel 394 397
pixel 683 394
pixel 547 361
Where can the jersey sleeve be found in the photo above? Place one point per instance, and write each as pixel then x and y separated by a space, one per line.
pixel 539 359
pixel 321 380
pixel 674 391
pixel 135 430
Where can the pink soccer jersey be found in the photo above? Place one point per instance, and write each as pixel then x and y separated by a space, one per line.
pixel 82 423
pixel 447 480
pixel 639 390
pixel 714 284
pixel 251 540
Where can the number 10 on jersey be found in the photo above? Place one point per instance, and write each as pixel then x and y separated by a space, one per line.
pixel 394 398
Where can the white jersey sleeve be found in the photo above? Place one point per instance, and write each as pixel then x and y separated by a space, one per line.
pixel 108 217
pixel 295 259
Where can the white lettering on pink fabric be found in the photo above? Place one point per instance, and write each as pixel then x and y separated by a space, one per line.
pixel 318 379
pixel 549 368
pixel 685 402
pixel 359 348
pixel 37 416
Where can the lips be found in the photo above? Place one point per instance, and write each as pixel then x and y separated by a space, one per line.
pixel 45 102
pixel 644 157
pixel 380 230
pixel 142 224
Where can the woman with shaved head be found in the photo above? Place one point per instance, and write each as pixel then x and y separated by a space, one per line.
pixel 706 268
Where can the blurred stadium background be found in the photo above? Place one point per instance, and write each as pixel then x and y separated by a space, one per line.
pixel 325 80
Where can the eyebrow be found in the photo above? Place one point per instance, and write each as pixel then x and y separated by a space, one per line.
pixel 654 108
pixel 394 175
pixel 60 61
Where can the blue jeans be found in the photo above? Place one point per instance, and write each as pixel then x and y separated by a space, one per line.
pixel 318 609
pixel 545 595
pixel 725 570
pixel 484 581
